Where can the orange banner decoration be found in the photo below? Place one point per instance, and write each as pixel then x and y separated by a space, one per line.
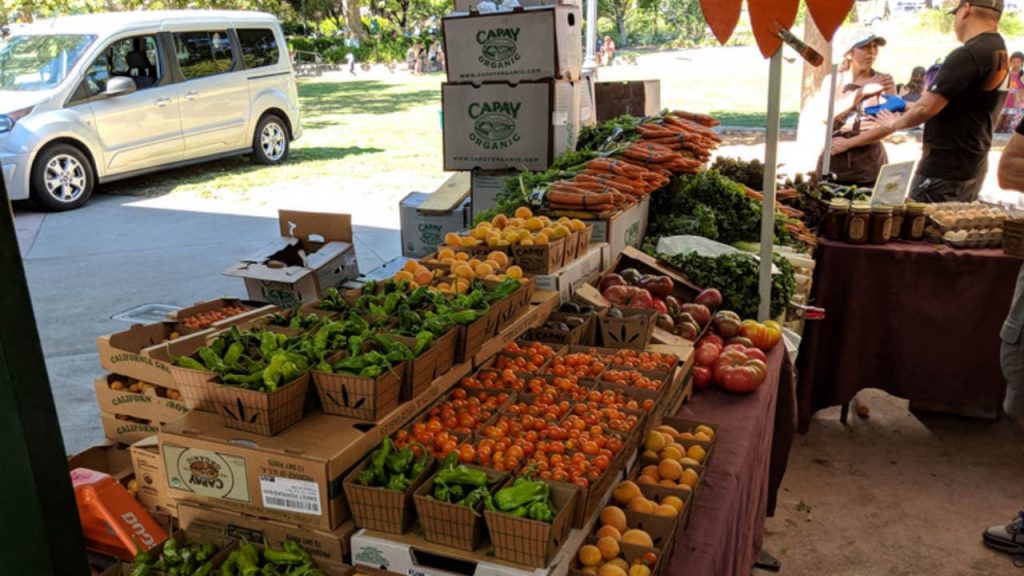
pixel 722 16
pixel 763 15
pixel 829 15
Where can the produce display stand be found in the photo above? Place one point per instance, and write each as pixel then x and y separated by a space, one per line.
pixel 411 553
pixel 957 371
pixel 740 482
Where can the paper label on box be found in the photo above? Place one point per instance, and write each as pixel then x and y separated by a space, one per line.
pixel 290 495
pixel 206 473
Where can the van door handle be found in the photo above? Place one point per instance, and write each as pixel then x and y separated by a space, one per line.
pixel 162 102
pixel 191 95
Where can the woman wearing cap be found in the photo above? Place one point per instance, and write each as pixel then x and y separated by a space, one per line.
pixel 859 86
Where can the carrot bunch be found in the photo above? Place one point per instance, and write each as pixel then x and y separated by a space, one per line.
pixel 791 218
pixel 686 133
pixel 674 143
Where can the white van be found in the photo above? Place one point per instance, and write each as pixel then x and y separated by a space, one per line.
pixel 90 99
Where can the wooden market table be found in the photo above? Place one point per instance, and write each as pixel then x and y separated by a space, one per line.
pixel 743 476
pixel 918 320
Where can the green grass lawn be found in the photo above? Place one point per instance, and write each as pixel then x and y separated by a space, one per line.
pixel 378 129
pixel 381 134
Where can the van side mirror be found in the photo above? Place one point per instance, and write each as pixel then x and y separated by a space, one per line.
pixel 119 86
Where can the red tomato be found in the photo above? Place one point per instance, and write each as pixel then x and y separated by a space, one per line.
pixel 701 377
pixel 756 354
pixel 737 373
pixel 707 354
pixel 714 339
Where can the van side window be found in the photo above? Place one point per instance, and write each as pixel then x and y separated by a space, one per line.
pixel 202 54
pixel 259 47
pixel 137 58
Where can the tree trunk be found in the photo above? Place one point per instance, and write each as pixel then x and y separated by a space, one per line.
pixel 813 75
pixel 811 128
pixel 620 21
pixel 353 22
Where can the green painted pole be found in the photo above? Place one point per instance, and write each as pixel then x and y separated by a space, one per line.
pixel 40 534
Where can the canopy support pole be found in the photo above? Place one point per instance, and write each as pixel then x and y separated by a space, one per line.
pixel 589 62
pixel 826 154
pixel 771 161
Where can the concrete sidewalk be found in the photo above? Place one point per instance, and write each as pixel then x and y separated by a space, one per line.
pixel 117 253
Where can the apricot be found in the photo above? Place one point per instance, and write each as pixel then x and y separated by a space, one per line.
pixel 613 516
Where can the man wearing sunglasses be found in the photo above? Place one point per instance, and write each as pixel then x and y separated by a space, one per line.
pixel 959 110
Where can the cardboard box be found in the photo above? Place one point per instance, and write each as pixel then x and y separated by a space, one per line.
pixel 624 228
pixel 108 458
pixel 422 233
pixel 147 406
pixel 533 44
pixel 126 353
pixel 470 5
pixel 315 252
pixel 500 126
pixel 486 186
pixel 529 542
pixel 151 476
pixel 122 431
pixel 252 310
pixel 635 98
pixel 632 330
pixel 294 477
pixel 222 526
pixel 583 270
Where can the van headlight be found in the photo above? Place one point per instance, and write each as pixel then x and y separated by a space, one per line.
pixel 7 121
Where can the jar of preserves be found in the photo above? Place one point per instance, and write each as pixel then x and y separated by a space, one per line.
pixel 898 212
pixel 881 224
pixel 914 221
pixel 835 220
pixel 857 226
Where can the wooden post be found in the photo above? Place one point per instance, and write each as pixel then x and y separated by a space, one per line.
pixel 39 532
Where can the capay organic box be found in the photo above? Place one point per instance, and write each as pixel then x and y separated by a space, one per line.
pixel 294 477
pixel 422 232
pixel 583 270
pixel 523 45
pixel 503 126
pixel 315 252
pixel 473 5
pixel 223 526
pixel 151 477
pixel 485 186
pixel 623 228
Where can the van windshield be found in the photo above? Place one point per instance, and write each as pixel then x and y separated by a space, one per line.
pixel 32 63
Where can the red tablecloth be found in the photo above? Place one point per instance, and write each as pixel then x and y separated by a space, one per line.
pixel 920 321
pixel 727 519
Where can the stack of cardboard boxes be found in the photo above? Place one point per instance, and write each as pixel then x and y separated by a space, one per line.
pixel 515 98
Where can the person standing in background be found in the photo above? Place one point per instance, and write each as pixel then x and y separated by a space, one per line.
pixel 959 110
pixel 609 50
pixel 858 85
pixel 912 90
pixel 1011 110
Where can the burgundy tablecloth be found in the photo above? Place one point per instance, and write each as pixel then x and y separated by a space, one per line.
pixel 920 321
pixel 727 518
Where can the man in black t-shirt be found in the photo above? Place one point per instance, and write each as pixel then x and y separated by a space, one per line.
pixel 959 110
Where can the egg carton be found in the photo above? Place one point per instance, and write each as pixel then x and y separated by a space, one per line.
pixel 936 236
pixel 976 243
pixel 965 223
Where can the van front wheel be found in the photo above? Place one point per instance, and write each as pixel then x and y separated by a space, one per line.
pixel 62 178
pixel 270 142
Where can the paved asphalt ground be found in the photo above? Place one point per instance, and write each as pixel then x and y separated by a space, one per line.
pixel 117 253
